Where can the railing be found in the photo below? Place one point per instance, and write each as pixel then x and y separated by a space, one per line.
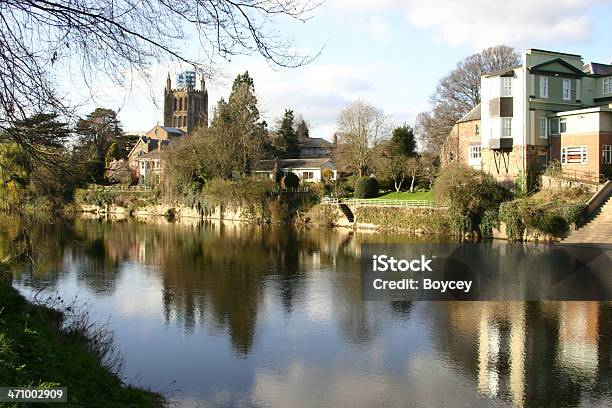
pixel 555 170
pixel 380 202
pixel 580 175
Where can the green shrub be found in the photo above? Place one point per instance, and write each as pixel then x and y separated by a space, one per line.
pixel 511 213
pixel 366 187
pixel 290 180
pixel 411 219
pixel 472 196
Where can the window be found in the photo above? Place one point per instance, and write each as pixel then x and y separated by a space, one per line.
pixel 567 89
pixel 142 165
pixel 474 152
pixel 542 161
pixel 574 154
pixel 506 86
pixel 543 128
pixel 562 125
pixel 543 87
pixel 607 85
pixel 607 154
pixel 476 129
pixel 553 126
pixel 506 127
pixel 307 175
pixel 451 156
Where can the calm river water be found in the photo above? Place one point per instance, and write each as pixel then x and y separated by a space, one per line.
pixel 231 315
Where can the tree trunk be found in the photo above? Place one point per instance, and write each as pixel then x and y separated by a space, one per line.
pixel 412 183
pixel 398 185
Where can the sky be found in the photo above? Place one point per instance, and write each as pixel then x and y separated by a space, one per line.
pixel 389 52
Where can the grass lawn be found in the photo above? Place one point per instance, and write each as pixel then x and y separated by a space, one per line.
pixel 404 195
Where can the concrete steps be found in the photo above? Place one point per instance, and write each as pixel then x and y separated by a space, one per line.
pixel 598 229
pixel 347 212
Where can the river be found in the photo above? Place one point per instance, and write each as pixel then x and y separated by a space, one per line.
pixel 234 315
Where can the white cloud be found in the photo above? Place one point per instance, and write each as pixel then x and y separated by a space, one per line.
pixel 482 23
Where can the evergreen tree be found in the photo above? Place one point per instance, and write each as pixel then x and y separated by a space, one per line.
pixel 286 136
pixel 96 133
pixel 404 140
pixel 301 129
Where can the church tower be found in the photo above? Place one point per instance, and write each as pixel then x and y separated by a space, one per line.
pixel 185 107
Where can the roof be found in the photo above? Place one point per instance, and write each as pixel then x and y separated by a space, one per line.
pixel 151 143
pixel 172 129
pixel 268 165
pixel 503 71
pixel 539 67
pixel 596 68
pixel 314 142
pixel 554 52
pixel 474 114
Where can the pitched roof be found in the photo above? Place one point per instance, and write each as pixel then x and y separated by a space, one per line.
pixel 268 165
pixel 503 71
pixel 596 68
pixel 151 144
pixel 474 114
pixel 313 142
pixel 172 130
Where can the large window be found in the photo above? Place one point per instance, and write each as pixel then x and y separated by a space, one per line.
pixel 606 154
pixel 607 85
pixel 562 125
pixel 506 127
pixel 574 154
pixel 543 87
pixel 567 89
pixel 543 128
pixel 506 86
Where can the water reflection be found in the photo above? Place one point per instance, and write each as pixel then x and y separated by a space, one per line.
pixel 274 317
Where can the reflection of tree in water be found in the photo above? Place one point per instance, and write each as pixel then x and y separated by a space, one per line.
pixel 35 247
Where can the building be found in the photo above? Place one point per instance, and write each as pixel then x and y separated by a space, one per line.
pixel 144 160
pixel 463 143
pixel 314 147
pixel 312 170
pixel 185 107
pixel 551 107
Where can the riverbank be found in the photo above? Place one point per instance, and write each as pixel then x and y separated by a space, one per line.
pixel 35 351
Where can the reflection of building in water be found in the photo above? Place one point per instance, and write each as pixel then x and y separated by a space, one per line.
pixel 578 337
pixel 564 348
pixel 501 337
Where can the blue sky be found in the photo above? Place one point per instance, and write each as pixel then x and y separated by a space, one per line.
pixel 389 52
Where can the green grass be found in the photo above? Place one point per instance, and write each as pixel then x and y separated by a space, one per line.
pixel 34 352
pixel 404 195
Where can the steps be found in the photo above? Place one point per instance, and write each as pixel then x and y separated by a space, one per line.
pixel 597 230
pixel 347 212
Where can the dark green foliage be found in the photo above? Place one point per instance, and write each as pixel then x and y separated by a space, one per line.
pixel 366 187
pixel 96 133
pixel 286 137
pixel 291 181
pixel 404 141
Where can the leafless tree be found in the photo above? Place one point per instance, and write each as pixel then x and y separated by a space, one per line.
pixel 360 126
pixel 120 39
pixel 459 92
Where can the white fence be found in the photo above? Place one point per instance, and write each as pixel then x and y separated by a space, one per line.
pixel 381 202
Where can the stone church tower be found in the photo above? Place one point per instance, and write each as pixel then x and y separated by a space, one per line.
pixel 185 107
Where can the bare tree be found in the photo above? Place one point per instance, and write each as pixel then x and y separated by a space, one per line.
pixel 360 126
pixel 459 92
pixel 120 39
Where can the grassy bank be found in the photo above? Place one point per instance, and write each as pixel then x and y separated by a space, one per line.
pixel 405 195
pixel 35 352
pixel 419 220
